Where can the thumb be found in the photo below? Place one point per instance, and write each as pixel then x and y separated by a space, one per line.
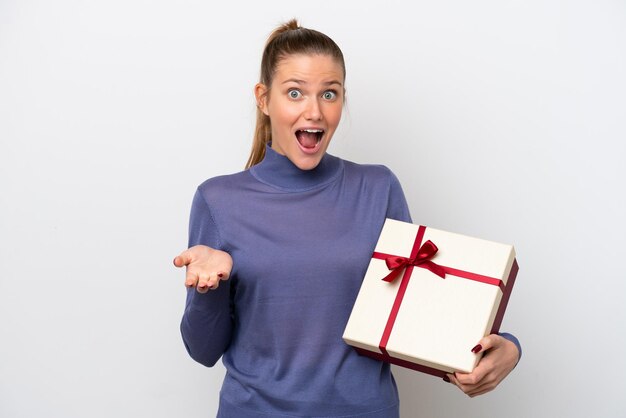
pixel 182 259
pixel 486 343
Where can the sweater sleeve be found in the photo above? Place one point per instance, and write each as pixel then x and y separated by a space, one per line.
pixel 397 208
pixel 206 326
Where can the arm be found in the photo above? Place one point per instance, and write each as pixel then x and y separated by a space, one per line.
pixel 397 208
pixel 206 326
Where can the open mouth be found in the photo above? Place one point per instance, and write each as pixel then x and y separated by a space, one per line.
pixel 309 138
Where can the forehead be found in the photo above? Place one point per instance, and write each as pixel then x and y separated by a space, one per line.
pixel 309 67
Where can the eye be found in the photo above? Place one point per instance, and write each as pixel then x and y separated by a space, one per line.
pixel 294 94
pixel 329 95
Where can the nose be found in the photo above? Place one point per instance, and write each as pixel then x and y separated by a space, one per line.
pixel 313 110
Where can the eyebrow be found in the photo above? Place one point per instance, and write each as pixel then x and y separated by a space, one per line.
pixel 298 81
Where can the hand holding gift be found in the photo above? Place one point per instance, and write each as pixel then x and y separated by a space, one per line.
pixel 499 357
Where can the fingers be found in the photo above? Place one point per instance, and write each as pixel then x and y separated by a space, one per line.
pixel 469 389
pixel 472 385
pixel 215 278
pixel 488 384
pixel 480 390
pixel 487 343
pixel 191 279
pixel 476 376
pixel 204 282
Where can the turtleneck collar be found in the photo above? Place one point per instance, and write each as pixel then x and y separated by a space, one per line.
pixel 278 171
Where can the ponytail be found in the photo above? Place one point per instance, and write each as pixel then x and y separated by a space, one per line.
pixel 262 137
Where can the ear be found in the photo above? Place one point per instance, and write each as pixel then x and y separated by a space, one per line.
pixel 260 93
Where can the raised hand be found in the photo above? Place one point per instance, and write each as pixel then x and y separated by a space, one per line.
pixel 206 267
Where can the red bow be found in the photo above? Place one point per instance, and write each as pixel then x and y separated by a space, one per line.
pixel 421 259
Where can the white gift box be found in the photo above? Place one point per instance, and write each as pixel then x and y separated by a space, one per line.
pixel 421 320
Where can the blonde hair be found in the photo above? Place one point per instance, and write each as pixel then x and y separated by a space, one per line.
pixel 287 39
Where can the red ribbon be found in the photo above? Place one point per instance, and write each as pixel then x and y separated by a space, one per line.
pixel 420 257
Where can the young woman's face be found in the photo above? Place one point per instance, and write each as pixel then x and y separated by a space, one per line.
pixel 304 105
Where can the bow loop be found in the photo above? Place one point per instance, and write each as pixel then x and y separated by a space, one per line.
pixel 426 251
pixel 421 259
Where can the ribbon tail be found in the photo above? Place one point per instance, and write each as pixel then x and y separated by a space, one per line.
pixel 435 268
pixel 392 276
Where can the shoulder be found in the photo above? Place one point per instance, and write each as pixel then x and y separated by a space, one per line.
pixel 226 180
pixel 380 184
pixel 221 186
pixel 372 173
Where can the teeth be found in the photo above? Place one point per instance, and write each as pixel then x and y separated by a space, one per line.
pixel 313 131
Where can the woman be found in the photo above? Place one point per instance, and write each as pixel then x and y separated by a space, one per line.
pixel 278 253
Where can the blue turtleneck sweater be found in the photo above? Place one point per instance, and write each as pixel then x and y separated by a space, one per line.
pixel 300 242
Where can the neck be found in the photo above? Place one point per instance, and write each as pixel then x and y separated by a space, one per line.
pixel 278 171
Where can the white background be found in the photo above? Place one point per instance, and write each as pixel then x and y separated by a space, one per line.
pixel 502 119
